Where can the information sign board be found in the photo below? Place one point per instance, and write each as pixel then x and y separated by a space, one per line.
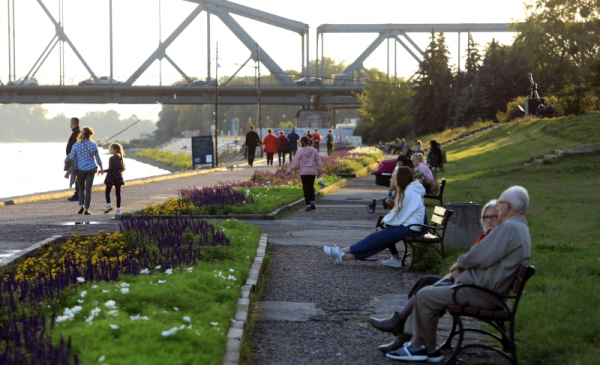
pixel 202 150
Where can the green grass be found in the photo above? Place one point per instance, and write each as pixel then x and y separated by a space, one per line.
pixel 179 160
pixel 448 134
pixel 558 318
pixel 200 295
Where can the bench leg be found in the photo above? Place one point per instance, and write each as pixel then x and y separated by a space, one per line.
pixel 461 334
pixel 409 252
pixel 448 343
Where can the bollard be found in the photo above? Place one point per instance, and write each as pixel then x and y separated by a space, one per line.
pixel 464 226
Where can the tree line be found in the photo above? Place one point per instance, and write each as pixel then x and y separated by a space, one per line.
pixel 559 43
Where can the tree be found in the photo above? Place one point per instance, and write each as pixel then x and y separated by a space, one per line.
pixel 385 107
pixel 473 57
pixel 331 67
pixel 433 93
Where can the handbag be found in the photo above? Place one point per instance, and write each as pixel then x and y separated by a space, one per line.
pixel 92 156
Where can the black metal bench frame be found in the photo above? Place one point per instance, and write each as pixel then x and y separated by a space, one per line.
pixel 440 195
pixel 435 234
pixel 495 318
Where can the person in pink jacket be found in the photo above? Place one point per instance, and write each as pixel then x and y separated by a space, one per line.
pixel 309 161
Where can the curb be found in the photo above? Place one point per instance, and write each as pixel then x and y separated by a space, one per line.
pixel 69 193
pixel 25 252
pixel 362 172
pixel 269 216
pixel 237 329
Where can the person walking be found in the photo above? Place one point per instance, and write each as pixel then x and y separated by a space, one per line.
pixel 270 143
pixel 293 138
pixel 114 175
pixel 282 145
pixel 72 140
pixel 86 151
pixel 329 138
pixel 309 161
pixel 316 139
pixel 252 141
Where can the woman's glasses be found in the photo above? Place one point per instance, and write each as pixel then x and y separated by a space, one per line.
pixel 490 217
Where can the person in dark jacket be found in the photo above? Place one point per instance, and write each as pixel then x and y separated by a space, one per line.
pixel 114 175
pixel 74 134
pixel 293 138
pixel 252 141
pixel 435 157
pixel 282 145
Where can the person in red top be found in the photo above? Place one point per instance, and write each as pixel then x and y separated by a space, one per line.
pixel 395 324
pixel 316 139
pixel 270 143
pixel 282 145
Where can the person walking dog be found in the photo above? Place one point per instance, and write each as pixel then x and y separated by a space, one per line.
pixel 309 161
pixel 114 175
pixel 72 140
pixel 86 152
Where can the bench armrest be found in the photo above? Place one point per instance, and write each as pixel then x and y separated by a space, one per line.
pixel 430 228
pixel 502 298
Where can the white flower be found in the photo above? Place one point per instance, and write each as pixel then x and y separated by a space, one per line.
pixel 113 312
pixel 80 301
pixel 124 285
pixel 101 358
pixel 158 267
pixel 248 257
pixel 189 269
pixel 189 327
pixel 105 291
pixel 197 333
pixel 182 327
pixel 80 280
pixel 145 271
pixel 187 319
pixel 231 270
pixel 111 304
pixel 94 286
pixel 83 294
pixel 114 326
pixel 96 311
pixel 170 332
pixel 162 281
pixel 137 317
pixel 76 309
pixel 176 309
pixel 124 290
pixel 169 271
pixel 214 323
pixel 60 319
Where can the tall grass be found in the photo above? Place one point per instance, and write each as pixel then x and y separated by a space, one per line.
pixel 178 160
pixel 557 322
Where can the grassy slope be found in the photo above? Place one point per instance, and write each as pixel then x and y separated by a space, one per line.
pixel 199 295
pixel 557 321
pixel 178 160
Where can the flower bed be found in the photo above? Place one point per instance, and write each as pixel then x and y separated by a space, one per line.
pixel 149 293
pixel 265 192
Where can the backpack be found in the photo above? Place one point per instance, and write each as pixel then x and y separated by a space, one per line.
pixel 329 138
pixel 317 140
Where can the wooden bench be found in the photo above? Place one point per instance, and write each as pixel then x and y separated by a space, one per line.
pixel 496 318
pixel 440 195
pixel 434 236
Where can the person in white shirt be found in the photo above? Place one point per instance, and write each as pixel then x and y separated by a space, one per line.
pixel 408 209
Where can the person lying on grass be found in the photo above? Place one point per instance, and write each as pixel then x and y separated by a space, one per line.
pixel 491 264
pixel 395 323
pixel 408 209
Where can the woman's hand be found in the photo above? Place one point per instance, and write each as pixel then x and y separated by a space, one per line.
pixel 377 229
pixel 389 202
pixel 101 171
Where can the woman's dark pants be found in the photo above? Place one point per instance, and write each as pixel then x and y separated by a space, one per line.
pixel 86 180
pixel 270 159
pixel 308 186
pixel 281 156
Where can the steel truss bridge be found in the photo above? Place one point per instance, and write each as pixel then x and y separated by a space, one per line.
pixel 284 91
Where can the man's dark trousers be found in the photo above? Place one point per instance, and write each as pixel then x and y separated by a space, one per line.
pixel 251 151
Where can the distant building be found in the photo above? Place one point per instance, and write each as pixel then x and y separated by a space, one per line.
pixel 314 119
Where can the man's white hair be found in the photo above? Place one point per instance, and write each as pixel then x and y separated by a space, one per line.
pixel 517 197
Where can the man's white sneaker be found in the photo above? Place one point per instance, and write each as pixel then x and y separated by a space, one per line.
pixel 337 255
pixel 392 262
pixel 373 257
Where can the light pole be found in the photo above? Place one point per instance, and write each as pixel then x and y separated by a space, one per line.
pixel 216 159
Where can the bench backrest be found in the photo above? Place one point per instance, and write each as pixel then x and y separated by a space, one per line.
pixel 441 216
pixel 441 187
pixel 524 273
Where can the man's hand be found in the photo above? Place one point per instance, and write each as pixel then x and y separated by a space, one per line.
pixel 101 171
pixel 455 271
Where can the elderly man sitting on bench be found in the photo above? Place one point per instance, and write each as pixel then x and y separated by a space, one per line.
pixel 491 264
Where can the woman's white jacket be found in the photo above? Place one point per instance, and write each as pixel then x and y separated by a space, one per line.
pixel 413 208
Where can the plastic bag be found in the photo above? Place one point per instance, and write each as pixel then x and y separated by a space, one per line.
pixel 321 183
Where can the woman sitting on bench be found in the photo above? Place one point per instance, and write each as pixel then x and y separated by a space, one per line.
pixel 395 324
pixel 408 209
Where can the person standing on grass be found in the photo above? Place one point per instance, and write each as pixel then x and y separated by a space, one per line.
pixel 282 145
pixel 329 138
pixel 72 140
pixel 270 143
pixel 309 161
pixel 293 138
pixel 114 175
pixel 252 141
pixel 316 139
pixel 86 151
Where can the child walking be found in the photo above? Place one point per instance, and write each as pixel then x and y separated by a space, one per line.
pixel 114 175
pixel 309 161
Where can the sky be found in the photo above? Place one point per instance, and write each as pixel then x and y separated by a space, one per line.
pixel 136 36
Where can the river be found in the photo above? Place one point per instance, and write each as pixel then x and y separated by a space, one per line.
pixel 29 168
